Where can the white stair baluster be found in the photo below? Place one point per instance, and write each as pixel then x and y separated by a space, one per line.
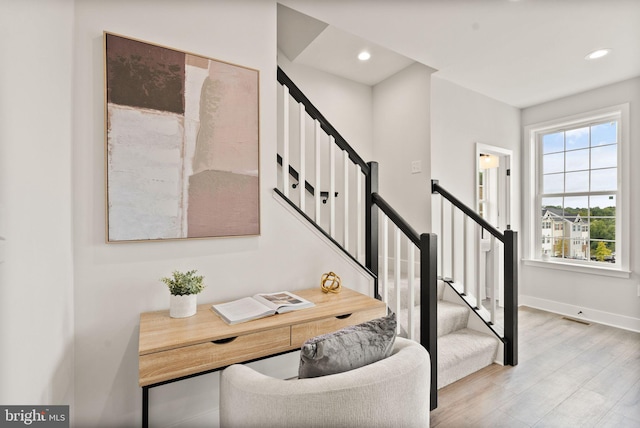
pixel 494 278
pixel 465 267
pixel 332 187
pixel 345 199
pixel 359 203
pixel 479 266
pixel 385 259
pixel 317 172
pixel 397 253
pixel 441 240
pixel 285 142
pixel 452 228
pixel 411 272
pixel 302 179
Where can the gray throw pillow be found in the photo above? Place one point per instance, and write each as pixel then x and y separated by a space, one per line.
pixel 348 349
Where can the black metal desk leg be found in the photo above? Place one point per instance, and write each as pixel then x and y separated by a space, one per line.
pixel 145 407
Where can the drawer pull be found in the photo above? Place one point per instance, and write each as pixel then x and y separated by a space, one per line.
pixel 343 317
pixel 224 341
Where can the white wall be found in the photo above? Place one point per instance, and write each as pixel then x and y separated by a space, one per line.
pixel 460 118
pixel 84 295
pixel 400 100
pixel 346 104
pixel 114 283
pixel 600 298
pixel 388 123
pixel 36 274
pixel 401 123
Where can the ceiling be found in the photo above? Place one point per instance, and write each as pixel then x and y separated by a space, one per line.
pixel 522 52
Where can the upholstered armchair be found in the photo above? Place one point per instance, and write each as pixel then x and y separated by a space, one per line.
pixel 392 392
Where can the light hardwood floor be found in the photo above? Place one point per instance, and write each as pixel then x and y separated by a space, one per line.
pixel 569 375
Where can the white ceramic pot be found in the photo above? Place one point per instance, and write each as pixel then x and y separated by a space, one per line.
pixel 183 306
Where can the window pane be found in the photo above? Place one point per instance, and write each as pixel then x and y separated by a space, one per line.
pixel 553 183
pixel 579 247
pixel 603 228
pixel 604 157
pixel 577 181
pixel 552 203
pixel 575 205
pixel 578 160
pixel 602 251
pixel 604 179
pixel 602 206
pixel 578 175
pixel 605 133
pixel 560 248
pixel 552 143
pixel 553 163
pixel 577 138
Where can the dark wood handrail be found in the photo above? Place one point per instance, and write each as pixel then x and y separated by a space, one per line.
pixel 297 95
pixel 396 218
pixel 436 188
pixel 426 243
pixel 373 275
pixel 510 269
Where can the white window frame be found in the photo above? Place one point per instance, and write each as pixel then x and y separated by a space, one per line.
pixel 531 230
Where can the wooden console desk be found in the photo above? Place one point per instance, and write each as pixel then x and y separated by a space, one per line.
pixel 172 349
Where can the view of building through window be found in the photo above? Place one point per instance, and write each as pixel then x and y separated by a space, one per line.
pixel 579 183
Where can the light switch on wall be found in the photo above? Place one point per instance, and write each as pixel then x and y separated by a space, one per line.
pixel 416 167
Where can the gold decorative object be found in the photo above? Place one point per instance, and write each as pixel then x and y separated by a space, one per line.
pixel 330 283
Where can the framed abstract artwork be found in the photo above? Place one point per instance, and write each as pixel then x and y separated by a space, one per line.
pixel 182 144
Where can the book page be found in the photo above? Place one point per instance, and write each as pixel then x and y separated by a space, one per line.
pixel 242 309
pixel 283 301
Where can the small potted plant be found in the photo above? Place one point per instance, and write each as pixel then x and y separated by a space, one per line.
pixel 183 288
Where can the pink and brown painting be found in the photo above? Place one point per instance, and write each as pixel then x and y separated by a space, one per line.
pixel 182 144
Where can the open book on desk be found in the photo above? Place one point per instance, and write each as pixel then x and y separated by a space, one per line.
pixel 260 306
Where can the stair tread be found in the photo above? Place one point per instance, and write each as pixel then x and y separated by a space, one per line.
pixel 463 352
pixel 465 342
pixel 451 317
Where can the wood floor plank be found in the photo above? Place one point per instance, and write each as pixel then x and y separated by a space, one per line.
pixel 629 405
pixel 570 374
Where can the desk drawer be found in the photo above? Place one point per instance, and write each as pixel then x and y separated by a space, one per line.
pixel 175 363
pixel 302 332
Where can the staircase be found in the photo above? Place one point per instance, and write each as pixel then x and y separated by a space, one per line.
pixel 461 349
pixel 329 185
pixel 463 346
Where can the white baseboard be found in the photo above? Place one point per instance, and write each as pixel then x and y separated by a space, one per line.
pixel 587 314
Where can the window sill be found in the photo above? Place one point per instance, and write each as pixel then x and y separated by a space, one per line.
pixel 591 270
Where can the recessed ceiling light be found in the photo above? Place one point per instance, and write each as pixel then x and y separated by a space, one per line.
pixel 364 56
pixel 598 54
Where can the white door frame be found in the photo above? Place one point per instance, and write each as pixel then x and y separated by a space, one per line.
pixel 504 209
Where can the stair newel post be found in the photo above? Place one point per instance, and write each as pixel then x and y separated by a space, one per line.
pixel 371 224
pixel 429 299
pixel 511 297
